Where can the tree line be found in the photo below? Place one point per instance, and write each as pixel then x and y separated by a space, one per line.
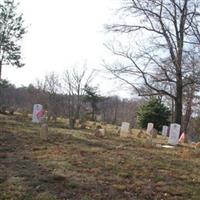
pixel 160 60
pixel 72 97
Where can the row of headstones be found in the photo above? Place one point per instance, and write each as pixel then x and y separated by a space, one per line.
pixel 174 131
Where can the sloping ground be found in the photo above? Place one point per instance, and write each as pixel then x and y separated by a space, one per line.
pixel 75 165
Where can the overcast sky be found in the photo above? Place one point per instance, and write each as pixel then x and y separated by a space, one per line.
pixel 62 34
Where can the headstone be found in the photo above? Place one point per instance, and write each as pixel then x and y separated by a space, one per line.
pixel 125 129
pixel 174 134
pixel 44 132
pixel 164 131
pixel 38 113
pixel 149 127
pixel 100 132
pixel 154 133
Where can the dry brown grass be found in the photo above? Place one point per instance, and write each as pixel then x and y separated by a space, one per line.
pixel 76 165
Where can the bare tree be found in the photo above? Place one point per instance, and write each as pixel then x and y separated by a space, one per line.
pixel 190 91
pixel 158 64
pixel 52 86
pixel 75 81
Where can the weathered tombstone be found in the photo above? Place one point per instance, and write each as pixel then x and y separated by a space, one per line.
pixel 149 127
pixel 154 133
pixel 44 131
pixel 174 134
pixel 100 132
pixel 125 129
pixel 165 131
pixel 38 113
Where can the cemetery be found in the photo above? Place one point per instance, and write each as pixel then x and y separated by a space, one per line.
pixel 108 105
pixel 46 161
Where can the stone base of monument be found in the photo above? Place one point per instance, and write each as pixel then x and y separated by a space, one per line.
pixel 44 132
pixel 100 132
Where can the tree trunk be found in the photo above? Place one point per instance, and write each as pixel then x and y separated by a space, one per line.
pixel 187 115
pixel 178 110
pixel 178 100
pixel 0 70
pixel 172 111
pixel 93 114
pixel 188 112
pixel 77 115
pixel 115 115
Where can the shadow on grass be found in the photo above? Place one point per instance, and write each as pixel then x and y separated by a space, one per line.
pixel 25 176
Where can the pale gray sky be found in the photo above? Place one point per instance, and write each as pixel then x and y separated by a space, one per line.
pixel 61 34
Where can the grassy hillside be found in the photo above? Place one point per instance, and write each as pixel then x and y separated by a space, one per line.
pixel 76 165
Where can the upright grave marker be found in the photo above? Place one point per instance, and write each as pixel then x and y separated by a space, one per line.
pixel 125 129
pixel 38 113
pixel 44 132
pixel 174 134
pixel 165 131
pixel 149 127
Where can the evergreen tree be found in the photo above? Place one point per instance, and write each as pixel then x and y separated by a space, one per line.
pixel 11 33
pixel 153 111
pixel 93 98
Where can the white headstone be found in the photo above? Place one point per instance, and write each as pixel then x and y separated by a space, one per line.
pixel 164 131
pixel 149 127
pixel 174 134
pixel 38 113
pixel 125 129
